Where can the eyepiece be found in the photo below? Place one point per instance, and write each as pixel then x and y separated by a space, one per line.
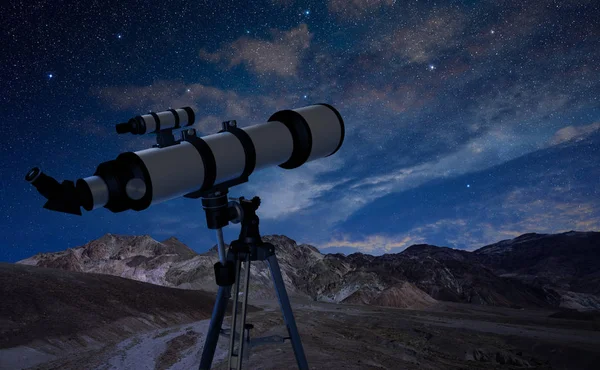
pixel 61 197
pixel 32 174
pixel 46 185
pixel 135 125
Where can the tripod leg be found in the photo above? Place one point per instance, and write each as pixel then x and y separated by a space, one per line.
pixel 210 344
pixel 288 315
pixel 236 293
pixel 244 306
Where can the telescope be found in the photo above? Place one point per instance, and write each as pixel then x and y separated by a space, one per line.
pixel 206 167
pixel 192 165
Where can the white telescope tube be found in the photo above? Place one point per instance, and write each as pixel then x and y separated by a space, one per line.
pixel 290 139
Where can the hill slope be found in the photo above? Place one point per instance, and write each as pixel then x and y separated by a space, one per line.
pixel 39 303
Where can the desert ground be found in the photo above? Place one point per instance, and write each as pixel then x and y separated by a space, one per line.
pixel 444 336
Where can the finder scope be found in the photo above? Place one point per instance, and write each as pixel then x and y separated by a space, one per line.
pixel 193 166
pixel 156 122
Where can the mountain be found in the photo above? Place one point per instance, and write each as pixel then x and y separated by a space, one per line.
pixel 78 308
pixel 454 275
pixel 306 272
pixel 133 257
pixel 568 262
pixel 529 271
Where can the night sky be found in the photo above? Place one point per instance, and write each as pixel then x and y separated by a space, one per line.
pixel 467 122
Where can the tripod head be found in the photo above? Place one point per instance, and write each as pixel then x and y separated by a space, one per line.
pixel 249 232
pixel 219 212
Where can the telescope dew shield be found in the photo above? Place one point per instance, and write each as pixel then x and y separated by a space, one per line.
pixel 136 180
pixel 317 131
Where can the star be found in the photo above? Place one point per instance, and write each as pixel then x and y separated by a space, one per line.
pixel 119 36
pixel 305 96
pixel 431 67
pixel 247 31
pixel 492 32
pixel 50 75
pixel 188 90
pixel 307 12
pixel 468 185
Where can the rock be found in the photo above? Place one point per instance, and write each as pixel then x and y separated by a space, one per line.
pixel 499 357
pixel 506 358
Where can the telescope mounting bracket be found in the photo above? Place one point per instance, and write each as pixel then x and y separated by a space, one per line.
pixel 165 138
pixel 222 188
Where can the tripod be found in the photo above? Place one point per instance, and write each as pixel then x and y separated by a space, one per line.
pixel 248 247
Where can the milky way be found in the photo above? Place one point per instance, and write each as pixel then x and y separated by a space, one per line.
pixel 467 122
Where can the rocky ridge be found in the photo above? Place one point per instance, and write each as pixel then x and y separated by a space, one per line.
pixel 511 273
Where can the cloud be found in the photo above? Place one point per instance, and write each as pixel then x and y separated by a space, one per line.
pixel 354 9
pixel 520 102
pixel 521 211
pixel 286 193
pixel 464 234
pixel 477 154
pixel 419 38
pixel 396 99
pixel 372 183
pixel 280 55
pixel 371 244
pixel 423 42
pixel 559 209
pixel 573 132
